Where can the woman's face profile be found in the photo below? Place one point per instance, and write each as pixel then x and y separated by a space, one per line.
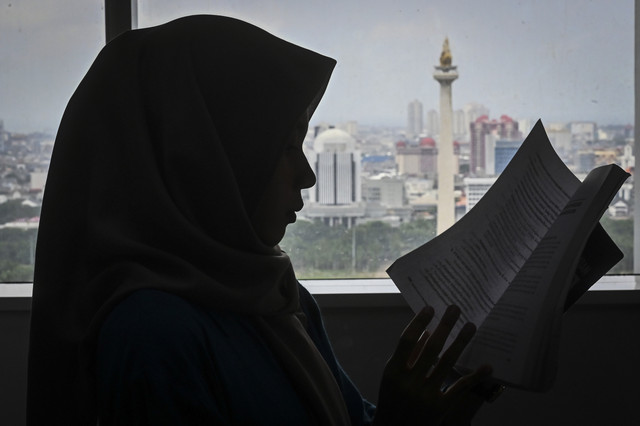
pixel 282 197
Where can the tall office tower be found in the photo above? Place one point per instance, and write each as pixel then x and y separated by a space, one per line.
pixel 414 119
pixel 337 168
pixel 445 74
pixel 4 136
pixel 484 131
pixel 336 198
pixel 504 151
pixel 473 111
pixel 433 123
pixel 460 127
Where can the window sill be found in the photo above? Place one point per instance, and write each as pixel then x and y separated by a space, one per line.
pixel 359 286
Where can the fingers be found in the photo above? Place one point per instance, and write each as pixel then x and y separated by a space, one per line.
pixel 410 337
pixel 418 351
pixel 433 347
pixel 413 381
pixel 450 356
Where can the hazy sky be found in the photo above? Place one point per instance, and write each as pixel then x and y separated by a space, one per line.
pixel 559 60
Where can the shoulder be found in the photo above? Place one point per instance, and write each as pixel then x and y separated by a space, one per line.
pixel 146 315
pixel 151 330
pixel 307 302
pixel 154 363
pixel 150 305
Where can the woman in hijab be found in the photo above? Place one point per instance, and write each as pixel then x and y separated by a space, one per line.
pixel 160 294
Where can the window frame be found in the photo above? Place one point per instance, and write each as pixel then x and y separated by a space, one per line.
pixel 122 15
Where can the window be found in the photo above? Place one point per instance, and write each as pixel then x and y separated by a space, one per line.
pixel 517 61
pixel 46 49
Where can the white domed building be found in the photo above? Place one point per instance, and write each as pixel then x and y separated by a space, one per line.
pixel 336 198
pixel 334 140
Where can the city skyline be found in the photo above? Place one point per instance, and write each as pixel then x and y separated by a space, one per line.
pixel 555 60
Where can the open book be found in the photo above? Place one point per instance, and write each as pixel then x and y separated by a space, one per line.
pixel 514 263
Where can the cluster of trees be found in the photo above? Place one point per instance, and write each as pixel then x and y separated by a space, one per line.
pixel 621 231
pixel 367 250
pixel 17 249
pixel 316 250
pixel 17 246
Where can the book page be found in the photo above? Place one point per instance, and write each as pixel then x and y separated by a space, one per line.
pixel 472 263
pixel 505 242
pixel 599 256
pixel 520 336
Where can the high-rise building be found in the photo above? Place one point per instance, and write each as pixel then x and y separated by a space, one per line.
pixel 473 111
pixel 460 126
pixel 433 123
pixel 417 160
pixel 475 188
pixel 337 168
pixel 480 131
pixel 414 119
pixel 503 153
pixel 336 198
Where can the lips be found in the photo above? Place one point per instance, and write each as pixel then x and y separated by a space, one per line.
pixel 298 205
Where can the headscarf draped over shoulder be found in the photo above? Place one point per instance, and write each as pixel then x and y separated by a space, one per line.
pixel 162 154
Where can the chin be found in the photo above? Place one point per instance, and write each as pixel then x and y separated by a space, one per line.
pixel 274 238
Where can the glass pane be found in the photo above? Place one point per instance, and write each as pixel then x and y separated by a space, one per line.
pixel 569 63
pixel 46 48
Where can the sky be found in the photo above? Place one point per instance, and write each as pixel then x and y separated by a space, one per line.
pixel 559 60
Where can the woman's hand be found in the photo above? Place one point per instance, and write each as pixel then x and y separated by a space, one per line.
pixel 411 391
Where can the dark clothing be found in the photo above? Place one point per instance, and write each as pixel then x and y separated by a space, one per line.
pixel 163 360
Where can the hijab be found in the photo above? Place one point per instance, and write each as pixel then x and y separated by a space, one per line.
pixel 162 154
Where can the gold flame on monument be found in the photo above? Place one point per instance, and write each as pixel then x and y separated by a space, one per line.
pixel 445 56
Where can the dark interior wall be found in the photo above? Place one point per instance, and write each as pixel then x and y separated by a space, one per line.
pixel 598 378
pixel 364 330
pixel 598 381
pixel 14 341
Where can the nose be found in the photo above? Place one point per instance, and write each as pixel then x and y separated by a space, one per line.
pixel 307 178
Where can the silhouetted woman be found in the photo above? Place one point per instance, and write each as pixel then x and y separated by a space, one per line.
pixel 160 293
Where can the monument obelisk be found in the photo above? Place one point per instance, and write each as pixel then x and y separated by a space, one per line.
pixel 445 74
